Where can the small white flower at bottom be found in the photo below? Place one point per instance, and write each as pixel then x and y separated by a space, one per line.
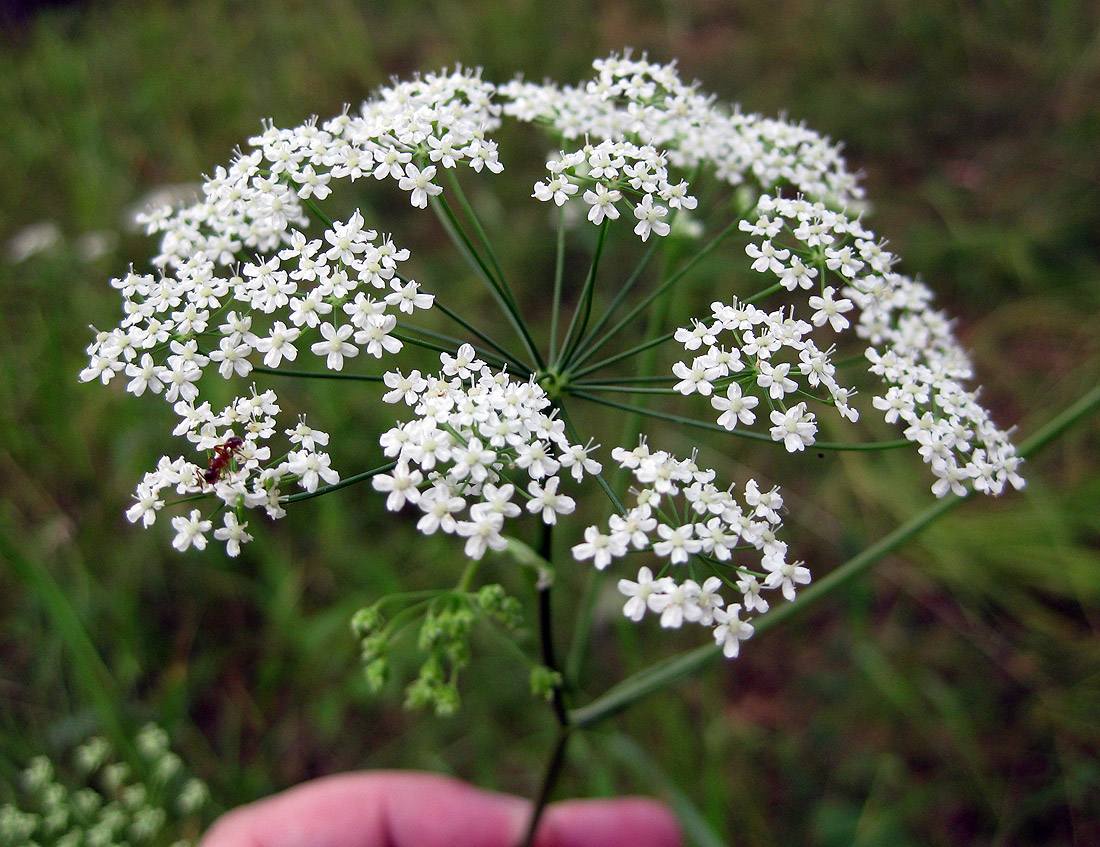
pixel 233 534
pixel 731 630
pixel 190 531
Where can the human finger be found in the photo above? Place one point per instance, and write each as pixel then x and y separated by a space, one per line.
pixel 375 809
pixel 409 809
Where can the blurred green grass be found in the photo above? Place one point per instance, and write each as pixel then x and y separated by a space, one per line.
pixel 950 698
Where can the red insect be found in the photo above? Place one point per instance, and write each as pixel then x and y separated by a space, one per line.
pixel 223 454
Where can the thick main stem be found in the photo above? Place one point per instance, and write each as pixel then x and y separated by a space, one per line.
pixel 546 630
pixel 557 696
pixel 549 780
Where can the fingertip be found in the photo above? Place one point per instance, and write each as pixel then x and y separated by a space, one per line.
pixel 622 822
pixel 316 812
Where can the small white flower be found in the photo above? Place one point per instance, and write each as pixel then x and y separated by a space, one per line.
pixel 311 468
pixel 735 407
pixel 828 309
pixel 462 364
pixel 146 374
pixel 650 218
pixel 775 378
pixel 406 388
pixel 749 586
pixel 576 458
pixel 675 604
pixel 233 534
pixel 600 548
pixel 785 575
pixel 147 505
pixel 558 189
pixel 602 203
pixel 678 543
pixel 706 601
pixel 233 354
pixel 795 428
pixel 439 505
pixel 640 592
pixel 797 275
pixel 335 348
pixel 698 377
pixel 634 527
pixel 190 531
pixel 482 533
pixel 419 182
pixel 279 345
pixel 402 486
pixel 731 630
pixel 546 499
pixel 767 257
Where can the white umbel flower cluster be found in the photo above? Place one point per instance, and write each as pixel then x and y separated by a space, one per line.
pixel 609 170
pixel 647 103
pixel 482 448
pixel 254 278
pixel 769 353
pixel 240 473
pixel 680 516
pixel 806 245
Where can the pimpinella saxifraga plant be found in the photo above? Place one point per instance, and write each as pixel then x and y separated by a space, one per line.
pixel 257 282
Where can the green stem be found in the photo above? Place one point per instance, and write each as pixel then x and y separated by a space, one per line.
pixel 575 333
pixel 582 623
pixel 760 295
pixel 574 435
pixel 482 237
pixel 481 336
pixel 633 351
pixel 582 628
pixel 546 627
pixel 1087 404
pixel 336 486
pixel 313 207
pixel 664 673
pixel 559 277
pixel 461 240
pixel 430 345
pixel 661 289
pixel 452 344
pixel 317 374
pixel 757 436
pixel 618 299
pixel 549 780
pixel 467 578
pixel 623 389
pixel 629 380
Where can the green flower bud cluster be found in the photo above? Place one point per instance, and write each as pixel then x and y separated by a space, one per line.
pixel 545 681
pixel 446 623
pixel 96 801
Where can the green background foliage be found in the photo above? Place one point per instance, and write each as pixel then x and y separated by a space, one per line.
pixel 953 696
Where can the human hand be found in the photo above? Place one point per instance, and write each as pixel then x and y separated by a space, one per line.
pixel 410 809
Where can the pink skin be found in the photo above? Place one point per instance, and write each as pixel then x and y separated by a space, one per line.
pixel 409 809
